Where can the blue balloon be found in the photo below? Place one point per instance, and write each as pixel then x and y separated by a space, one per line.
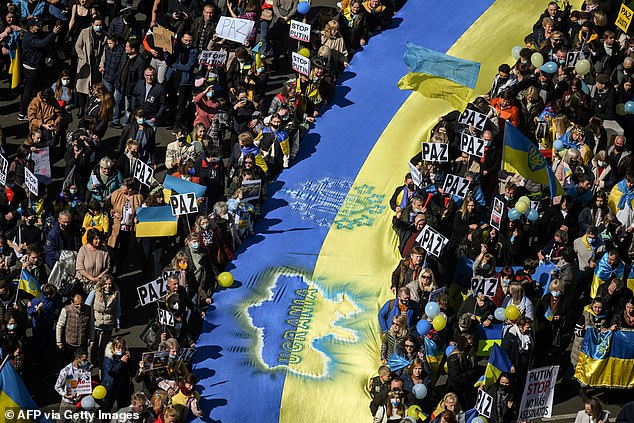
pixel 423 327
pixel 514 214
pixel 549 67
pixel 432 309
pixel 419 390
pixel 532 215
pixel 88 403
pixel 558 145
pixel 499 314
pixel 450 349
pixel 303 7
pixel 629 107
pixel 477 420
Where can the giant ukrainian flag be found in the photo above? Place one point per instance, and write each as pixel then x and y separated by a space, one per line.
pixel 607 359
pixel 296 338
pixel 14 398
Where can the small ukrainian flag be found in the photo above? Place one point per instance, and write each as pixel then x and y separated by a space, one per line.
pixel 437 75
pixel 29 284
pixel 155 221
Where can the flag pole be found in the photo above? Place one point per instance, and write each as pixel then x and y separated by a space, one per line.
pixel 4 362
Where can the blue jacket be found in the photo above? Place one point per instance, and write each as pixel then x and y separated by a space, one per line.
pixel 102 191
pixel 55 244
pixel 112 62
pixel 111 368
pixel 386 315
pixel 34 48
pixel 182 60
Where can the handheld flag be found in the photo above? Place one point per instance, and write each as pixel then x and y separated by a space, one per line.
pixel 15 397
pixel 437 75
pixel 606 359
pixel 499 362
pixel 182 186
pixel 523 157
pixel 29 284
pixel 156 221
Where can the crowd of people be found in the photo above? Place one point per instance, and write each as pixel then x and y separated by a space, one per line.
pixel 89 69
pixel 576 118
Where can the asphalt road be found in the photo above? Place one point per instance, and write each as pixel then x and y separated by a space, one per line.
pixel 41 380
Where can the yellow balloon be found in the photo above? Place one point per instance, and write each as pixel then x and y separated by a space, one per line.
pixel 511 312
pixel 99 392
pixel 521 207
pixel 304 52
pixel 524 199
pixel 537 59
pixel 414 411
pixel 225 279
pixel 439 322
pixel 446 368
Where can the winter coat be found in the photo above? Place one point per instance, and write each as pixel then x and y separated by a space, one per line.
pixel 91 56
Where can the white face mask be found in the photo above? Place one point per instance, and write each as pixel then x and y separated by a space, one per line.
pixel 65 82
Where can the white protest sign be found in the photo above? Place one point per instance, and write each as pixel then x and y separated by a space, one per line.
pixel 143 173
pixel 30 181
pixel 81 383
pixel 234 29
pixel 484 286
pixel 185 354
pixel 435 152
pixel 212 57
pixel 432 241
pixel 251 189
pixel 473 118
pixel 537 400
pixel 472 145
pixel 299 31
pixel 416 176
pixel 165 317
pixel 455 185
pixel 301 64
pixel 183 204
pixel 572 57
pixel 484 403
pixel 4 169
pixel 152 291
pixel 42 165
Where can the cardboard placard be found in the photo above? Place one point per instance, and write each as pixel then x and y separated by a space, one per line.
pixel 455 185
pixel 234 29
pixel 484 403
pixel 30 180
pixel 486 286
pixel 473 118
pixel 4 169
pixel 435 152
pixel 432 241
pixel 155 360
pixel 471 145
pixel 251 189
pixel 165 317
pixel 300 64
pixel 42 165
pixel 143 173
pixel 212 57
pixel 80 384
pixel 299 31
pixel 152 291
pixel 624 18
pixel 537 400
pixel 416 176
pixel 183 204
pixel 163 38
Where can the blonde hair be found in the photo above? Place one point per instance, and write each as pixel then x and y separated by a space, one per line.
pixel 516 292
pixel 330 26
pixel 402 331
pixel 561 124
pixel 556 285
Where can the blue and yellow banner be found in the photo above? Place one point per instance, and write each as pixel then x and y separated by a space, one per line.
pixel 523 157
pixel 607 359
pixel 300 325
pixel 438 75
pixel 499 362
pixel 29 284
pixel 155 221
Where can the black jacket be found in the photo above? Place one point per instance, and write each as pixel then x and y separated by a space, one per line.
pixel 146 151
pixel 130 72
pixel 153 104
pixel 35 48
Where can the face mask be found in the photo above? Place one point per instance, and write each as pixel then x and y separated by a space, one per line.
pixel 65 82
pixel 209 94
pixel 395 403
pixel 73 191
pixel 182 266
pixel 487 143
pixel 432 176
pixel 11 326
pixel 314 79
pixel 506 281
pixel 172 357
pixel 601 163
pixel 84 365
pixel 556 294
pixel 140 121
pixel 192 171
pixel 486 266
pixel 504 388
pixel 195 245
pixel 118 352
pixel 97 28
pixel 205 226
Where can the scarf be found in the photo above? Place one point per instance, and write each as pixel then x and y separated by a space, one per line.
pixel 347 14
